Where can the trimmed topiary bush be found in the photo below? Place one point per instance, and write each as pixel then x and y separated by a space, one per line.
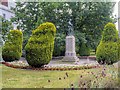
pixel 119 48
pixel 84 50
pixel 107 50
pixel 12 50
pixel 40 46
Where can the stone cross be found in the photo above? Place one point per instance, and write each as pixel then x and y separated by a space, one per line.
pixel 70 54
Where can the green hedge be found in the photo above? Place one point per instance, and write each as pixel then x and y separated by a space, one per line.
pixel 59 46
pixel 40 46
pixel 12 50
pixel 84 50
pixel 119 48
pixel 107 50
pixel 110 33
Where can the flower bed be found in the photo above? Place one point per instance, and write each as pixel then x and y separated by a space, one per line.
pixel 21 65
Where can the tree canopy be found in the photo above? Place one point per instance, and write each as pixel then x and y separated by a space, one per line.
pixel 6 26
pixel 85 19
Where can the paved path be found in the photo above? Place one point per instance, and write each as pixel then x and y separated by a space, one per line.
pixel 80 63
pixel 60 63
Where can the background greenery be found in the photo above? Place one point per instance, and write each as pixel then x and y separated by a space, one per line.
pixel 85 19
pixel 6 26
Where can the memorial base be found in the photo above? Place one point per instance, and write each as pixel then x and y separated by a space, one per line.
pixel 70 59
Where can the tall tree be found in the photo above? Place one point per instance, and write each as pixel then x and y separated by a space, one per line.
pixel 6 26
pixel 87 18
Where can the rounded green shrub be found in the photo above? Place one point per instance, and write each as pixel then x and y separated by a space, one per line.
pixel 12 50
pixel 119 48
pixel 39 48
pixel 84 50
pixel 110 33
pixel 107 50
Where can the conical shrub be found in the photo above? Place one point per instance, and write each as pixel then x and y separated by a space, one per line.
pixel 107 50
pixel 12 50
pixel 39 48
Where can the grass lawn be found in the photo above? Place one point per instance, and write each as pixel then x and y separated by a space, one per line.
pixel 18 78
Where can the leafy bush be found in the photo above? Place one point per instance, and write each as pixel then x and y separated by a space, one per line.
pixel 119 48
pixel 12 49
pixel 40 46
pixel 84 50
pixel 107 50
pixel 6 26
pixel 59 47
pixel 110 33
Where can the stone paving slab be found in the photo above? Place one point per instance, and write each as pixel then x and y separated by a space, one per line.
pixel 59 63
pixel 80 63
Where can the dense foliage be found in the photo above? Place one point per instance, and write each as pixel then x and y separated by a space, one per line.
pixel 6 26
pixel 84 50
pixel 39 48
pixel 119 48
pixel 59 47
pixel 12 49
pixel 1 44
pixel 107 51
pixel 81 17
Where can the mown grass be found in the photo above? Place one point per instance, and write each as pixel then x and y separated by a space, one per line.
pixel 18 78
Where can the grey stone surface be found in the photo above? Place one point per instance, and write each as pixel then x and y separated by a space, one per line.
pixel 82 62
pixel 70 54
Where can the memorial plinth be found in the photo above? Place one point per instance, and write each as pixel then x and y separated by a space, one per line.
pixel 70 54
